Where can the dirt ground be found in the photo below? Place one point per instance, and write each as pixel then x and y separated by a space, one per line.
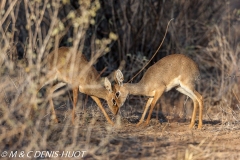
pixel 161 139
pixel 166 137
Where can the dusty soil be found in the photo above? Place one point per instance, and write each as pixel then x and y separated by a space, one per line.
pixel 161 139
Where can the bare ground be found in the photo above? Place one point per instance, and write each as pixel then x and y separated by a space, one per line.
pixel 161 139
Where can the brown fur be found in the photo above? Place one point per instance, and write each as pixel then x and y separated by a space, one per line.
pixel 173 71
pixel 74 69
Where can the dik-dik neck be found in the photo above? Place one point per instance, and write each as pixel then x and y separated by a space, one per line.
pixel 95 88
pixel 136 89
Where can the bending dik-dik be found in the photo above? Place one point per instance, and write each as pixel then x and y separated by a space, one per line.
pixel 173 71
pixel 74 69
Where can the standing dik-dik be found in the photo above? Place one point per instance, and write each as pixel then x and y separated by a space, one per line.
pixel 173 71
pixel 75 70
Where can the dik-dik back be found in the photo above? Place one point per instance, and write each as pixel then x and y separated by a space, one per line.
pixel 72 67
pixel 169 69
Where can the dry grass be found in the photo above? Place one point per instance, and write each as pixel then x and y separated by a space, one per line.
pixel 207 31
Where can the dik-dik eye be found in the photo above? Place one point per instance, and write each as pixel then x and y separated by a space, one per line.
pixel 117 94
pixel 114 102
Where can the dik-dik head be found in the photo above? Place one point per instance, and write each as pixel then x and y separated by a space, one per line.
pixel 110 97
pixel 119 89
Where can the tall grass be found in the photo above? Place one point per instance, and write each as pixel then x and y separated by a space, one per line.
pixel 29 31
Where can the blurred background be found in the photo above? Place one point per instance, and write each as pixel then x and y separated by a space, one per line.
pixel 125 30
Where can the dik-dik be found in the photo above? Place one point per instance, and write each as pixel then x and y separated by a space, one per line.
pixel 173 71
pixel 81 76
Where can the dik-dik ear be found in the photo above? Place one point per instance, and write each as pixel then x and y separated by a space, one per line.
pixel 107 84
pixel 118 77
